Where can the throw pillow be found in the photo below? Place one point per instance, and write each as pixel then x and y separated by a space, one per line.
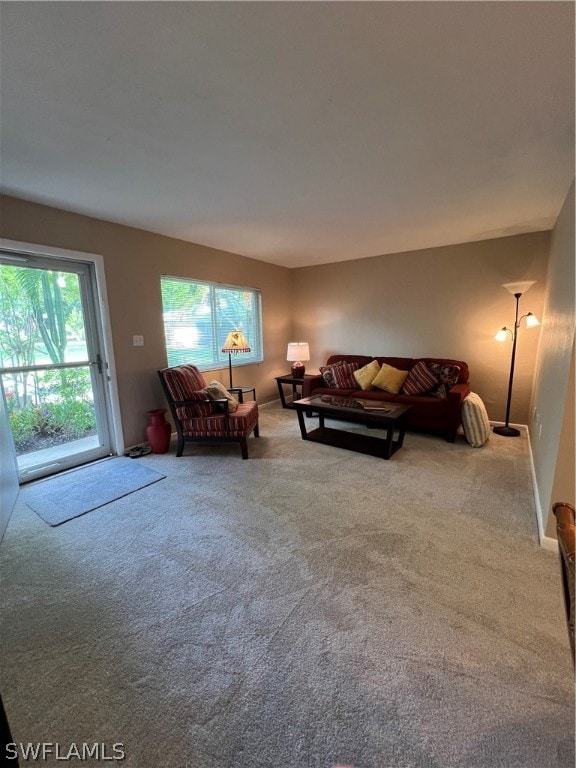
pixel 448 377
pixel 420 379
pixel 365 376
pixel 344 375
pixel 328 375
pixel 340 375
pixel 475 420
pixel 390 379
pixel 217 391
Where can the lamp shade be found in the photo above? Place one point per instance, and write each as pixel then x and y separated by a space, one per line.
pixel 520 288
pixel 298 351
pixel 531 320
pixel 502 334
pixel 236 342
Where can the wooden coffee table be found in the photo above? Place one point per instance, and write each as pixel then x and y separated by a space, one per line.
pixel 393 419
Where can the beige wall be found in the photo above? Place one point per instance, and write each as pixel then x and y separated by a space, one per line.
pixel 134 261
pixel 563 485
pixel 555 469
pixel 440 302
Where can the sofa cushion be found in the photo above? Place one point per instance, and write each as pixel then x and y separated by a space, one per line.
pixel 425 408
pixel 475 420
pixel 402 363
pixel 217 391
pixel 365 376
pixel 448 375
pixel 390 379
pixel 344 375
pixel 334 392
pixel 360 359
pixel 420 379
pixel 378 395
pixel 241 423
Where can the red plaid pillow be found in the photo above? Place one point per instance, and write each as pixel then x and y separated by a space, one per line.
pixel 344 375
pixel 419 380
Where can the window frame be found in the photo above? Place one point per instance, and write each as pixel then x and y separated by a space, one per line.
pixel 220 359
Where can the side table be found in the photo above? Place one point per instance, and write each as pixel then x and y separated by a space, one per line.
pixel 241 391
pixel 295 383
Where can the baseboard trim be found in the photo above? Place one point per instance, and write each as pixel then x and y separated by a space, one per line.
pixel 269 403
pixel 546 542
pixel 550 544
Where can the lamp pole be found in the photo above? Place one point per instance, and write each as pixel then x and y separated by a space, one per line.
pixel 507 430
pixel 230 367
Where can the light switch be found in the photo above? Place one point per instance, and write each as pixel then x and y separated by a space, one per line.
pixel 138 341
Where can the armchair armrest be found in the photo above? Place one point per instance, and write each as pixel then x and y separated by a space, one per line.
pixel 459 392
pixel 195 401
pixel 310 383
pixel 237 391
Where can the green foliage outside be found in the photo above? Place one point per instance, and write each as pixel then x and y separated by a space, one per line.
pixel 61 411
pixel 39 311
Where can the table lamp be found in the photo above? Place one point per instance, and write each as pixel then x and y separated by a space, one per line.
pixel 298 351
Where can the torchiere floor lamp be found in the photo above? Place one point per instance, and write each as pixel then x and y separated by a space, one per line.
pixel 516 289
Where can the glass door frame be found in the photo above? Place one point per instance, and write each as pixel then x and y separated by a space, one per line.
pixel 97 307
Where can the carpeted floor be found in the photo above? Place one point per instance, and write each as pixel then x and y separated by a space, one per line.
pixel 307 607
pixel 70 494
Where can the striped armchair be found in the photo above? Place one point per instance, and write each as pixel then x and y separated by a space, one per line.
pixel 199 418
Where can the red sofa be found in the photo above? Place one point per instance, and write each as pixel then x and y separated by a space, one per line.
pixel 429 414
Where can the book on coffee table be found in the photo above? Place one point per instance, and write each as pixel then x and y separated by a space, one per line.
pixel 368 405
pixel 351 402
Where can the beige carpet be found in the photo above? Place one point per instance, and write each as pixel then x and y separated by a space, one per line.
pixel 306 607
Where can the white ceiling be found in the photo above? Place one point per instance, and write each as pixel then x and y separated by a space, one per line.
pixel 296 133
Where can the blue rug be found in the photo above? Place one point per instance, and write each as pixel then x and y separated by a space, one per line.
pixel 72 494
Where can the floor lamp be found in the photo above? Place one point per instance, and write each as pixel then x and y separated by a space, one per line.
pixel 235 343
pixel 516 289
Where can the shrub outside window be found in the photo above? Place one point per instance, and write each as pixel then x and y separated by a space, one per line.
pixel 199 315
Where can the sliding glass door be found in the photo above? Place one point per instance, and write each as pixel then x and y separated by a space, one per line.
pixel 52 368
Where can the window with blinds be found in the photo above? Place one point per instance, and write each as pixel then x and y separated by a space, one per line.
pixel 198 317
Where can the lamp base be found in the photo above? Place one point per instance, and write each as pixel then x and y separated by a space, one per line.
pixel 506 431
pixel 297 370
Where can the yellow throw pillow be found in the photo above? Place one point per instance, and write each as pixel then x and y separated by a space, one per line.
pixel 365 376
pixel 390 379
pixel 217 391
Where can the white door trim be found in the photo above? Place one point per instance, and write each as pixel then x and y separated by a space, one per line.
pixel 117 435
